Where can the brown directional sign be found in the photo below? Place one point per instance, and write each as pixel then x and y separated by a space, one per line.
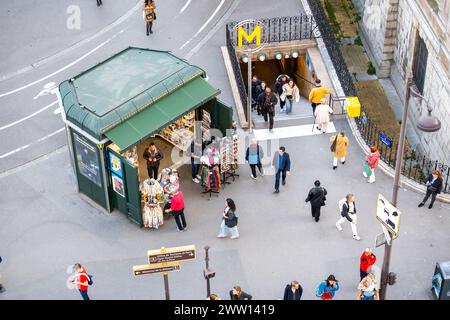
pixel 171 254
pixel 155 268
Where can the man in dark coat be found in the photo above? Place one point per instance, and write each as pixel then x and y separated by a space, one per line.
pixel 238 294
pixel 317 199
pixel 293 291
pixel 153 156
pixel 282 164
pixel 267 102
pixel 255 84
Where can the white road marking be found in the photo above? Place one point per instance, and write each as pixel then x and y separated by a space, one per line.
pixel 29 116
pixel 63 68
pixel 29 145
pixel 57 111
pixel 289 132
pixel 204 25
pixel 185 6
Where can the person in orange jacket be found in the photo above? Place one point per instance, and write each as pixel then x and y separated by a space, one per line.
pixel 366 261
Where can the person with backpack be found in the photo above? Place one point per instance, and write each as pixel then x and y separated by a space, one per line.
pixel 372 161
pixel 327 289
pixel 316 197
pixel 83 280
pixel 253 156
pixel 347 208
pixel 229 221
pixel 339 145
pixel 267 100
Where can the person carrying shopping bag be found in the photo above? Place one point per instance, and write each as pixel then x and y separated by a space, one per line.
pixel 371 164
pixel 289 94
pixel 229 221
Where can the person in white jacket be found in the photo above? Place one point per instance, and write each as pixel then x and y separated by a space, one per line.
pixel 290 93
pixel 347 207
pixel 322 114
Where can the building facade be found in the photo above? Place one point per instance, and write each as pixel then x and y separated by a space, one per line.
pixel 413 36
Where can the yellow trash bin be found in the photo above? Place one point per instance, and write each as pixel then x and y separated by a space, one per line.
pixel 353 107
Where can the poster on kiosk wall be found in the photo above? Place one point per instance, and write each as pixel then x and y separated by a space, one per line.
pixel 117 184
pixel 115 164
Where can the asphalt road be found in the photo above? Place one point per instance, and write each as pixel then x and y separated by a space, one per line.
pixel 45 225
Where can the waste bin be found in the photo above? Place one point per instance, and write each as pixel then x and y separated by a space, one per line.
pixel 441 281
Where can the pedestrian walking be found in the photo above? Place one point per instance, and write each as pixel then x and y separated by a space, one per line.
pixel 290 94
pixel 196 154
pixel 434 187
pixel 153 156
pixel 2 288
pixel 371 164
pixel 99 3
pixel 253 156
pixel 238 294
pixel 367 288
pixel 316 197
pixel 82 279
pixel 327 289
pixel 282 165
pixel 366 261
pixel 260 89
pixel 255 84
pixel 347 207
pixel 322 115
pixel 149 15
pixel 282 79
pixel 177 209
pixel 317 94
pixel 268 101
pixel 229 221
pixel 339 144
pixel 293 291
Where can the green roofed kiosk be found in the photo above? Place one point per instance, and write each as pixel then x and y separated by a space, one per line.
pixel 113 110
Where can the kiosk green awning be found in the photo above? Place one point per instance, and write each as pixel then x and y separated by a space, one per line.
pixel 160 114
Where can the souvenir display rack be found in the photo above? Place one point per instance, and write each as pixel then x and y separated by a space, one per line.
pixel 152 198
pixel 229 150
pixel 206 125
pixel 210 171
pixel 170 182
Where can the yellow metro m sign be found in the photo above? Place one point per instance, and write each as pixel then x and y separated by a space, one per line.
pixel 249 38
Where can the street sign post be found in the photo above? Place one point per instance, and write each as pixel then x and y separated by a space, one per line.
pixel 156 268
pixel 171 254
pixel 389 216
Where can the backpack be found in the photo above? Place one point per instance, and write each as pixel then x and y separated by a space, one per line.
pixel 90 277
pixel 341 204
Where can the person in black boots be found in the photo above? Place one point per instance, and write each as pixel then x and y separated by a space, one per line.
pixel 261 89
pixel 282 165
pixel 434 187
pixel 317 199
pixel 99 3
pixel 268 101
pixel 255 84
pixel 293 291
pixel 253 156
pixel 238 294
pixel 149 15
pixel 153 156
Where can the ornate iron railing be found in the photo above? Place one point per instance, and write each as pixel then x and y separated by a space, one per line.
pixel 416 165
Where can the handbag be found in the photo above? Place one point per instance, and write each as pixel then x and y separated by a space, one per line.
pixel 367 170
pixel 432 189
pixel 231 223
pixel 333 145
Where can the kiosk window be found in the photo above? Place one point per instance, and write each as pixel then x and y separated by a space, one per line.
pixel 87 160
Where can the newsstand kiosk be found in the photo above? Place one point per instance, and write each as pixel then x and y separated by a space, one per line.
pixel 113 111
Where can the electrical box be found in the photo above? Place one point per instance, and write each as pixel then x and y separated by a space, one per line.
pixel 353 107
pixel 441 281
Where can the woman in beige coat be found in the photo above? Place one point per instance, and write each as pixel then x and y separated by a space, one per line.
pixel 322 115
pixel 341 148
pixel 290 93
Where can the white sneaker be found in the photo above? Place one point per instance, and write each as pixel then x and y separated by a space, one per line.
pixel 357 238
pixel 232 238
pixel 254 178
pixel 196 180
pixel 262 173
pixel 339 227
pixel 365 175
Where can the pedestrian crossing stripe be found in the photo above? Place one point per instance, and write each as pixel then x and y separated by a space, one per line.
pixel 291 132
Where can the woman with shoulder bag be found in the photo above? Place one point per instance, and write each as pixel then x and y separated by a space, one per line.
pixel 229 221
pixel 434 187
pixel 290 94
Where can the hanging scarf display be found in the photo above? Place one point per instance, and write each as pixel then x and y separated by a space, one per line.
pixel 152 197
pixel 210 177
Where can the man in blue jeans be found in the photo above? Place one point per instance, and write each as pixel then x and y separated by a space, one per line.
pixel 196 153
pixel 282 164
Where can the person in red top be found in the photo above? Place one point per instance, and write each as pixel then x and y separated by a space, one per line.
pixel 177 208
pixel 372 160
pixel 82 280
pixel 366 262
